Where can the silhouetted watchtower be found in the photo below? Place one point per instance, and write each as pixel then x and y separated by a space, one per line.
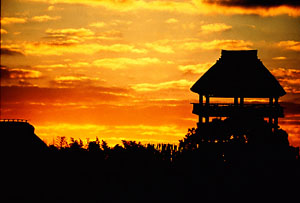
pixel 238 75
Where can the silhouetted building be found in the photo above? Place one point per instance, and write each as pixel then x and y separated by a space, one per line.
pixel 238 75
pixel 18 136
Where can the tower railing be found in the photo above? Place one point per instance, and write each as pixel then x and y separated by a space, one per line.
pixel 226 110
pixel 14 120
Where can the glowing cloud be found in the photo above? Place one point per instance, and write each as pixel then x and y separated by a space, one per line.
pixel 98 24
pixel 44 18
pixel 178 84
pixel 160 48
pixel 121 63
pixel 216 27
pixel 72 81
pixel 290 45
pixel 195 69
pixel 12 20
pixel 3 31
pixel 71 78
pixel 71 46
pixel 218 44
pixel 279 58
pixel 171 21
pixel 80 32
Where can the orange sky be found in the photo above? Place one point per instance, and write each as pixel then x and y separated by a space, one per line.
pixel 122 69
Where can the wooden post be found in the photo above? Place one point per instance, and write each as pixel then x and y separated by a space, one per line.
pixel 276 123
pixel 276 101
pixel 206 119
pixel 242 101
pixel 200 121
pixel 201 99
pixel 207 100
pixel 271 101
pixel 236 101
pixel 207 106
pixel 271 104
pixel 276 117
pixel 270 120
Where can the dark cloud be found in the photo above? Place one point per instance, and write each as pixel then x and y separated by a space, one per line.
pixel 255 3
pixel 24 83
pixel 4 73
pixel 290 108
pixel 73 82
pixel 289 122
pixel 289 79
pixel 11 52
pixel 51 94
pixel 7 73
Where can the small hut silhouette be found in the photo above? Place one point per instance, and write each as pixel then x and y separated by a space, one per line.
pixel 19 138
pixel 238 75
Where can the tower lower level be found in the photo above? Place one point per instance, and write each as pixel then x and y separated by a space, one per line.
pixel 271 111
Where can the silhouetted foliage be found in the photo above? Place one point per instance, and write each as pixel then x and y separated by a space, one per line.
pixel 105 146
pixel 61 142
pixel 212 162
pixel 94 147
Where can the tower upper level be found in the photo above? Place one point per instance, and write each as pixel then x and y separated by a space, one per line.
pixel 238 74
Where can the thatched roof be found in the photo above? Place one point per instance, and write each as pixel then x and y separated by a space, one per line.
pixel 20 138
pixel 238 74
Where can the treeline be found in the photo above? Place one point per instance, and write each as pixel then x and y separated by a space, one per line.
pixel 269 146
pixel 77 145
pixel 238 168
pixel 133 172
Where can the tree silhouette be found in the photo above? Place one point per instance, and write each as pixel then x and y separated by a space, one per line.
pixel 75 145
pixel 105 146
pixel 94 146
pixel 61 142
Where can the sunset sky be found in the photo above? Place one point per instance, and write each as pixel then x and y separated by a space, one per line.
pixel 122 69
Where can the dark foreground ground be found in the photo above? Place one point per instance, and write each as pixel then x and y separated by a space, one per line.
pixel 136 173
